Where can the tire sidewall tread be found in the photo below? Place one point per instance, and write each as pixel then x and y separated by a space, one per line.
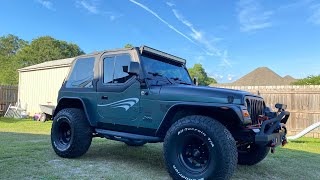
pixel 224 145
pixel 81 133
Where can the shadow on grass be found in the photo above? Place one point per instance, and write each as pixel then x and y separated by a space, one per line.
pixel 149 155
pixel 115 160
pixel 303 141
pixel 13 120
pixel 9 120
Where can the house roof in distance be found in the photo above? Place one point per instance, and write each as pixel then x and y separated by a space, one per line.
pixel 289 79
pixel 262 76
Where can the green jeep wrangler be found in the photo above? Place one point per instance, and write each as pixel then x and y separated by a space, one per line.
pixel 142 95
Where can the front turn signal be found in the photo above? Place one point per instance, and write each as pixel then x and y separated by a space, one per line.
pixel 245 113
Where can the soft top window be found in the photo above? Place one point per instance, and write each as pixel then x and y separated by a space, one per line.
pixel 113 69
pixel 82 74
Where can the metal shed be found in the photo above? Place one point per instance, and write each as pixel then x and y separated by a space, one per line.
pixel 40 83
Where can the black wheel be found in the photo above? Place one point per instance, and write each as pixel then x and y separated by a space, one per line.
pixel 43 117
pixel 199 147
pixel 135 143
pixel 71 134
pixel 252 154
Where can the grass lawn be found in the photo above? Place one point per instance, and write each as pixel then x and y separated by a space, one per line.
pixel 26 153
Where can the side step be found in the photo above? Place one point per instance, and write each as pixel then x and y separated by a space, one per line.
pixel 122 136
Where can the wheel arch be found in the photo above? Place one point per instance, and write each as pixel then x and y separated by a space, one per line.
pixel 72 102
pixel 229 115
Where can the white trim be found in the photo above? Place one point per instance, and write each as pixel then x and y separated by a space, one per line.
pixel 124 103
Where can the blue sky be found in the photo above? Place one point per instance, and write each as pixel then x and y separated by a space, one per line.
pixel 230 38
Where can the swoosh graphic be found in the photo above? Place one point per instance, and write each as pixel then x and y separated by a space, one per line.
pixel 130 103
pixel 126 107
pixel 125 103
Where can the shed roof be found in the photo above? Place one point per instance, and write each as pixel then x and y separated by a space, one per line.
pixel 49 65
pixel 62 62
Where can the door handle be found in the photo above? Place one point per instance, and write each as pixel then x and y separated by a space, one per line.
pixel 104 97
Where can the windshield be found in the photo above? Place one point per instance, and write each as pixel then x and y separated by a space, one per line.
pixel 160 72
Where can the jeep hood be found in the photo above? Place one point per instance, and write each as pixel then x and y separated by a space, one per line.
pixel 202 94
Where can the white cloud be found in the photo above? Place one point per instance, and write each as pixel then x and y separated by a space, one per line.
pixel 195 34
pixel 294 4
pixel 312 7
pixel 202 39
pixel 225 58
pixel 170 4
pixel 230 77
pixel 197 37
pixel 90 6
pixel 216 76
pixel 252 16
pixel 315 14
pixel 162 20
pixel 47 4
pixel 111 15
pixel 199 59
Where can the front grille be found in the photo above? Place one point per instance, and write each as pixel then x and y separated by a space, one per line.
pixel 255 107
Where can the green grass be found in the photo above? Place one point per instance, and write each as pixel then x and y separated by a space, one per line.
pixel 26 153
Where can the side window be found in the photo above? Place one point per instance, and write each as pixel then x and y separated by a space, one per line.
pixel 119 75
pixel 108 69
pixel 82 74
pixel 113 69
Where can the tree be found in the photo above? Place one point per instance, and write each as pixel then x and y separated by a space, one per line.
pixel 128 46
pixel 310 80
pixel 16 53
pixel 8 73
pixel 47 48
pixel 203 79
pixel 11 44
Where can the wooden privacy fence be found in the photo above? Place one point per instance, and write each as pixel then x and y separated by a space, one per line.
pixel 8 95
pixel 303 103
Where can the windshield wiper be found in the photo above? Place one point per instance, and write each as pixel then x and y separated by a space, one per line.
pixel 155 74
pixel 160 75
pixel 180 81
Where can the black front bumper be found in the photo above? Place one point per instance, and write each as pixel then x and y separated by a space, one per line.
pixel 273 132
pixel 274 138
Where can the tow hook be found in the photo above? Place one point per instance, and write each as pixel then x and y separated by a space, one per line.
pixel 274 143
pixel 273 146
pixel 284 141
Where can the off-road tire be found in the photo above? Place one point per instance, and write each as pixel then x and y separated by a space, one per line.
pixel 253 155
pixel 71 134
pixel 135 143
pixel 214 138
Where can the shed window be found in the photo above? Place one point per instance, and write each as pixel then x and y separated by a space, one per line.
pixel 82 74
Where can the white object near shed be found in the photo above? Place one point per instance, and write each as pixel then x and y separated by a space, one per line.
pixel 40 83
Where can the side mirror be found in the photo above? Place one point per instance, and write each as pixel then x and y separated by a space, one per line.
pixel 134 68
pixel 195 81
pixel 281 106
pixel 125 69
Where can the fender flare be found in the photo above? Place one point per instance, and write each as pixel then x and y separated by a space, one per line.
pixel 234 107
pixel 59 107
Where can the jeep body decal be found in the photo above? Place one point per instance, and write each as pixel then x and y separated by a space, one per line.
pixel 125 103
